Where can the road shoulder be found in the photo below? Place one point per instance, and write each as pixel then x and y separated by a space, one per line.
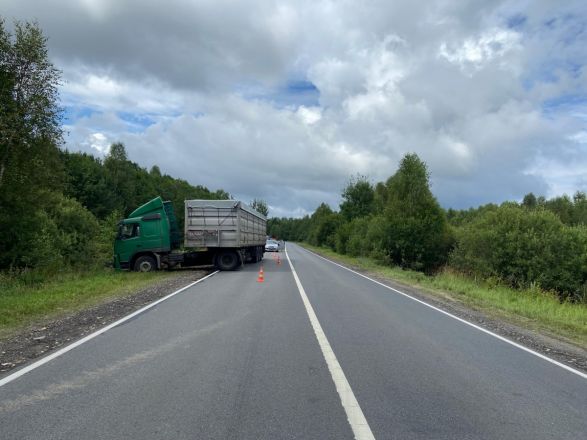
pixel 48 335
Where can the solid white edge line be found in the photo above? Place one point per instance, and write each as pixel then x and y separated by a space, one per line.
pixel 355 416
pixel 79 342
pixel 484 330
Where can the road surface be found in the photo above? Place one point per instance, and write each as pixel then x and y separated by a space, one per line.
pixel 329 355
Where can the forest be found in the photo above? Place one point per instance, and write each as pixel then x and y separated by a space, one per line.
pixel 537 243
pixel 59 209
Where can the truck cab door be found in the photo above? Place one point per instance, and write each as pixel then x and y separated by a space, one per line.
pixel 127 242
pixel 152 234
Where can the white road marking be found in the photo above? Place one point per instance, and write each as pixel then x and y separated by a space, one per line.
pixel 484 330
pixel 353 411
pixel 64 350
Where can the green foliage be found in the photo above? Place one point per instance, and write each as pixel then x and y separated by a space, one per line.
pixel 529 201
pixel 30 129
pixel 380 197
pixel 462 217
pixel 523 247
pixel 88 182
pixel 59 231
pixel 324 223
pixel 417 233
pixel 295 229
pixel 358 199
pixel 342 236
pixel 571 212
pixel 30 133
pixel 357 244
pixel 75 230
pixel 260 206
pixel 105 237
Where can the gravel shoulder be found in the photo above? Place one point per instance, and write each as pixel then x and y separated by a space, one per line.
pixel 546 344
pixel 44 337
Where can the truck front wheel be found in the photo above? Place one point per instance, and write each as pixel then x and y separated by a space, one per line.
pixel 145 264
pixel 227 260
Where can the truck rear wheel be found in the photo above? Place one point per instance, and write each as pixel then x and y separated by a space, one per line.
pixel 227 260
pixel 145 263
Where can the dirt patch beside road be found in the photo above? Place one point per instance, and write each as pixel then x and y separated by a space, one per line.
pixel 41 339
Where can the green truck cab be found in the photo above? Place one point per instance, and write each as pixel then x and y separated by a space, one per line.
pixel 149 231
pixel 225 233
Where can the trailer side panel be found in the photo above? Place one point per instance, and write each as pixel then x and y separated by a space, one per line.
pixel 222 224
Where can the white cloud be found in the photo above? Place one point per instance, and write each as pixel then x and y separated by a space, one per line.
pixel 487 93
pixel 580 137
pixel 309 115
pixel 474 53
pixel 98 142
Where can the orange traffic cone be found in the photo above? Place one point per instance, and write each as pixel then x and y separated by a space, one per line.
pixel 261 277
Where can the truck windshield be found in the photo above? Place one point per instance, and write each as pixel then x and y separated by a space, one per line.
pixel 128 230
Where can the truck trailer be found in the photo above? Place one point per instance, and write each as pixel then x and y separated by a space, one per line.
pixel 225 233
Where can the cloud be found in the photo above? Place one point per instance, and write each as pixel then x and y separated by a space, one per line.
pixel 475 53
pixel 286 100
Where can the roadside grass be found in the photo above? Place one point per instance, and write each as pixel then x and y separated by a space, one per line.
pixel 32 297
pixel 530 308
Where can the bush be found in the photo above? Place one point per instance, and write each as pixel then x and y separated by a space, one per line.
pixel 342 236
pixel 522 247
pixel 324 224
pixel 377 239
pixel 77 229
pixel 53 232
pixel 358 244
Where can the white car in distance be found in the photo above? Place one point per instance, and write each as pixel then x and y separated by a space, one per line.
pixel 271 246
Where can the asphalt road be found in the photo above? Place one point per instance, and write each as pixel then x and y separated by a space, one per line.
pixel 232 358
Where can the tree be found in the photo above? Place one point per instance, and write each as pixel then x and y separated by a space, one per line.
pixel 323 226
pixel 418 233
pixel 30 128
pixel 87 182
pixel 529 201
pixel 155 171
pixel 358 198
pixel 260 206
pixel 121 174
pixel 380 197
pixel 580 208
pixel 30 134
pixel 561 206
pixel 220 194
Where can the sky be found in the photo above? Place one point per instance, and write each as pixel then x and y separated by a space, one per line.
pixel 287 100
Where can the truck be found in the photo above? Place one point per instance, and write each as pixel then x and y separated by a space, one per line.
pixel 223 233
